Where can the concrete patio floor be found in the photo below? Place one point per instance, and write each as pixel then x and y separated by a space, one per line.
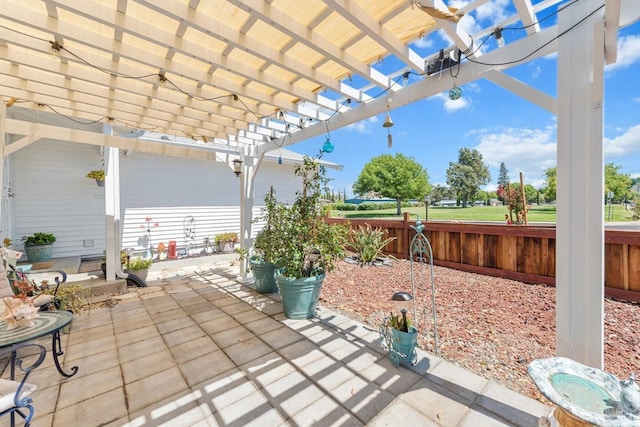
pixel 199 348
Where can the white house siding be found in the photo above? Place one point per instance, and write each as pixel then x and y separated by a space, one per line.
pixel 53 195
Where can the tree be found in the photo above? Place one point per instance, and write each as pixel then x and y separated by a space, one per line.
pixel 551 178
pixel 618 183
pixel 399 178
pixel 440 192
pixel 503 179
pixel 466 176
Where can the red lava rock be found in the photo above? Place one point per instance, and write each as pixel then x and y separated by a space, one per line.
pixel 488 325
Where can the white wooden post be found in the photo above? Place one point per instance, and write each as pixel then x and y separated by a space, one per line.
pixel 580 186
pixel 112 205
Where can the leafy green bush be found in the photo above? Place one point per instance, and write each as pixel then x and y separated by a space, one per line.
pixel 139 263
pixel 345 206
pixel 39 239
pixel 368 242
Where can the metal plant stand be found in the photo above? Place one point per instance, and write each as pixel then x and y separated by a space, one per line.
pixel 420 251
pixel 402 345
pixel 402 348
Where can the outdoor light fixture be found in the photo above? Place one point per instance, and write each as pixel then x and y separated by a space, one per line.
pixel 387 124
pixel 237 166
pixel 402 300
pixel 498 35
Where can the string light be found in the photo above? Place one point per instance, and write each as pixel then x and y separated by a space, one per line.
pixel 497 33
pixel 55 50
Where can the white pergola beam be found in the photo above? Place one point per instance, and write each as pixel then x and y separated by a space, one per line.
pixel 523 90
pixel 377 32
pixel 580 186
pixel 469 71
pixel 31 130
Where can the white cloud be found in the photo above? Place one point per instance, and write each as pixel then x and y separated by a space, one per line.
pixel 493 10
pixel 628 142
pixel 423 42
pixel 363 126
pixel 452 106
pixel 628 53
pixel 529 151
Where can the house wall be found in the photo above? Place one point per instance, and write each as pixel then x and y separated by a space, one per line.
pixel 188 199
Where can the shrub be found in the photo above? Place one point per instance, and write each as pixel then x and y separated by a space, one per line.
pixel 345 206
pixel 39 239
pixel 368 242
pixel 139 263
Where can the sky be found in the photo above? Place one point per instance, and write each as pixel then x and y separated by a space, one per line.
pixel 502 126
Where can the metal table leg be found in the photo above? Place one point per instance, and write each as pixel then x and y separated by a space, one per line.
pixel 56 349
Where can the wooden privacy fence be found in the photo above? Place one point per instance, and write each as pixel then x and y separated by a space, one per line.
pixel 524 253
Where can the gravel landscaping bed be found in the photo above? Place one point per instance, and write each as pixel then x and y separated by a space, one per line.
pixel 488 325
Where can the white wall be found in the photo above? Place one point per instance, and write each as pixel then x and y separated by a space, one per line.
pixel 53 195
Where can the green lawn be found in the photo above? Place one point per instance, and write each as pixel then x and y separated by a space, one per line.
pixel 478 213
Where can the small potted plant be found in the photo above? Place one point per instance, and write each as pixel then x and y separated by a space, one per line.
pixel 98 175
pixel 139 266
pixel 226 241
pixel 399 333
pixel 38 246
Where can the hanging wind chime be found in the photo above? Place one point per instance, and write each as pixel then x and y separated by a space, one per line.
pixel 387 124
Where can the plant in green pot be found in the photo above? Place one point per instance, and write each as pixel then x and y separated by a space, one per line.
pixel 307 247
pixel 38 246
pixel 397 330
pixel 266 245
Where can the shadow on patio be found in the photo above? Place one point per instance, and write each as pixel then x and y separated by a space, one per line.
pixel 198 348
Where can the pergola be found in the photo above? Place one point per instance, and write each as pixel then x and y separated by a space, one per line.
pixel 242 77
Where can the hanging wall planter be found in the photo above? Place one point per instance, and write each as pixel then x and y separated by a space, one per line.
pixel 98 175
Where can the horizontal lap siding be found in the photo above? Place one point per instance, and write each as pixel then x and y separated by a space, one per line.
pixel 53 195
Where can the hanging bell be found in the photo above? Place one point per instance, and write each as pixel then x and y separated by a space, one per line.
pixel 387 121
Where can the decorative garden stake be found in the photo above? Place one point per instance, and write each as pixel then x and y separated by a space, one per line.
pixel 420 249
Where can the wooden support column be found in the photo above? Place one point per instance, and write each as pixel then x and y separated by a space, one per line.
pixel 580 208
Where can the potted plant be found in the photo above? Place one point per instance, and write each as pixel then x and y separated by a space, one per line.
pixel 265 247
pixel 226 241
pixel 400 335
pixel 139 266
pixel 306 246
pixel 38 246
pixel 98 175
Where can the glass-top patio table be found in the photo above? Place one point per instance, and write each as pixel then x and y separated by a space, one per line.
pixel 47 322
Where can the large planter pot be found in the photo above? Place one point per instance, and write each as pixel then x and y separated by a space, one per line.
pixel 140 273
pixel 225 247
pixel 38 253
pixel 299 296
pixel 264 276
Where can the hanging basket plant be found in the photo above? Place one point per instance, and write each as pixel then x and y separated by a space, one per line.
pixel 98 175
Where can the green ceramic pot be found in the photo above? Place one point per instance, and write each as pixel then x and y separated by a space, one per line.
pixel 404 342
pixel 299 296
pixel 264 276
pixel 38 253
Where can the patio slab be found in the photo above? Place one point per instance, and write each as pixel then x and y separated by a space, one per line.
pixel 211 351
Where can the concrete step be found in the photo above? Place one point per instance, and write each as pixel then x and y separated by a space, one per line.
pixel 101 286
